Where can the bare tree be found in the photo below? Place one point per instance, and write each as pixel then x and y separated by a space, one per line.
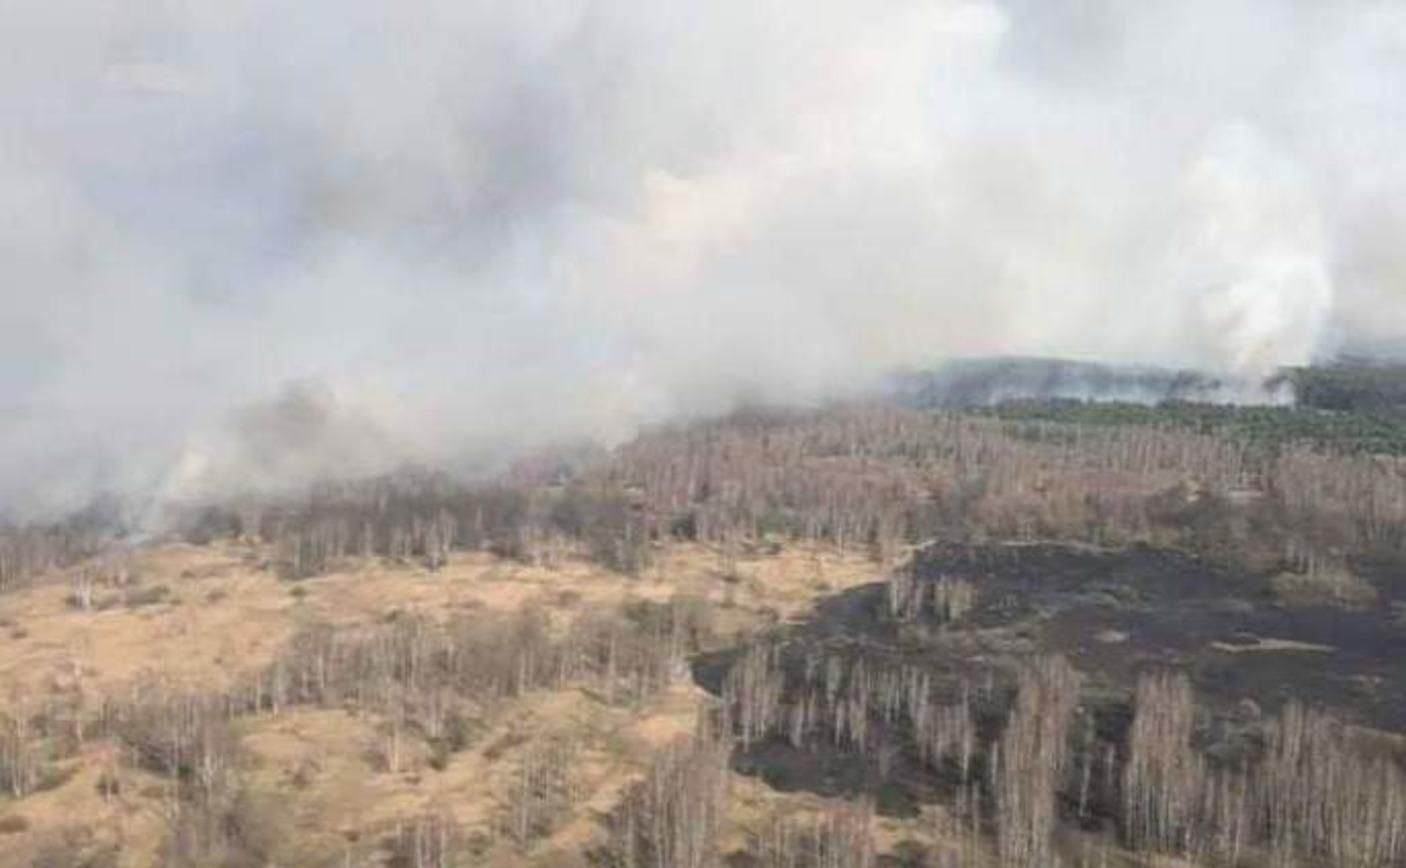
pixel 1031 759
pixel 840 836
pixel 673 818
pixel 1163 775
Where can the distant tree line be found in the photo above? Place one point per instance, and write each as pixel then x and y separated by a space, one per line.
pixel 866 476
pixel 883 477
pixel 422 517
pixel 1267 428
pixel 1359 386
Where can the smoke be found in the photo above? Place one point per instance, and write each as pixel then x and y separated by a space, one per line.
pixel 481 227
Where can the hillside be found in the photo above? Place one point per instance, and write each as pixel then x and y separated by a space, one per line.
pixel 853 636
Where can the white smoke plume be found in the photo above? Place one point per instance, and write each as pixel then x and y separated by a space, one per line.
pixel 481 226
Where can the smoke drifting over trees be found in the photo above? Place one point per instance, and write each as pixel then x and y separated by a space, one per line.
pixel 487 226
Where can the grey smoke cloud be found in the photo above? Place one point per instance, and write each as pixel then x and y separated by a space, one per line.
pixel 484 226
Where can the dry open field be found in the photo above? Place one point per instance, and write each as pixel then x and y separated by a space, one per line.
pixel 200 618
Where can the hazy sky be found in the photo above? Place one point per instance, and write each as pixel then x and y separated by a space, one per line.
pixel 244 241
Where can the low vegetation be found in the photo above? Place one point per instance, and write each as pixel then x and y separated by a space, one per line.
pixel 1324 586
pixel 601 658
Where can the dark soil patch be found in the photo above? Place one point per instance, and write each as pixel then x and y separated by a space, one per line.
pixel 1114 615
pixel 1117 613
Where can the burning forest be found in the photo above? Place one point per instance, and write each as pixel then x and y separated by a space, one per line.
pixel 953 434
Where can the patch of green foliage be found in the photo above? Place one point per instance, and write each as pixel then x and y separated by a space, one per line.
pixel 1355 387
pixel 1271 427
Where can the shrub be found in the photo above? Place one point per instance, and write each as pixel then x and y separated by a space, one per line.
pixel 140 597
pixel 13 824
pixel 1323 586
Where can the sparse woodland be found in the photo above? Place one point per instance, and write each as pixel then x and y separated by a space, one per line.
pixel 869 476
pixel 865 475
pixel 1018 763
pixel 424 683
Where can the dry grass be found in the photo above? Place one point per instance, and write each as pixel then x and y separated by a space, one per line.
pixel 131 816
pixel 319 763
pixel 313 772
pixel 225 616
pixel 1324 587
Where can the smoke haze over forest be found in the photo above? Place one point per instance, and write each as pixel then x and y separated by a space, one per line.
pixel 247 244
